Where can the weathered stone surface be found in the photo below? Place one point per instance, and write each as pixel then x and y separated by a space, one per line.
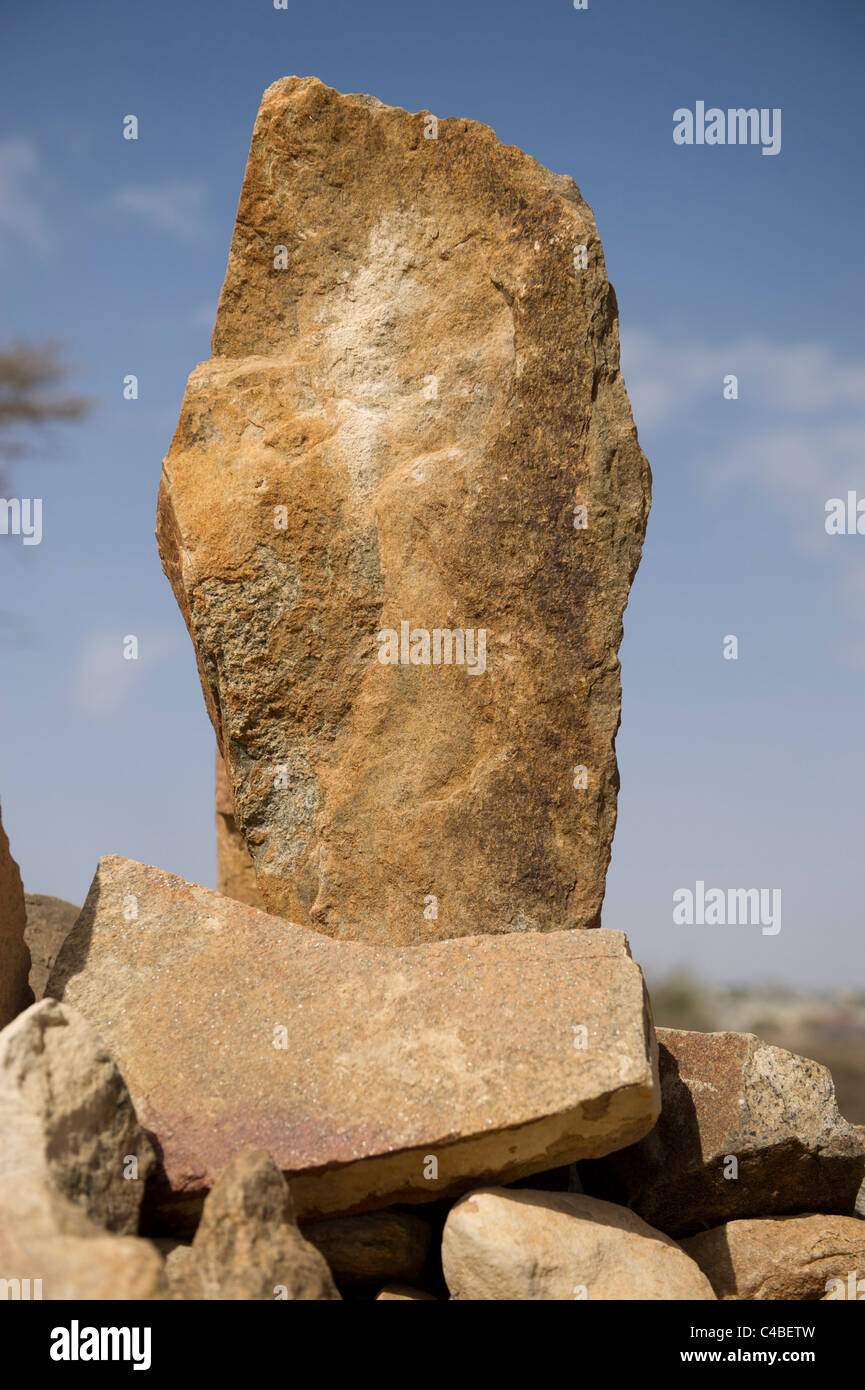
pixel 235 871
pixel 397 429
pixel 403 1293
pixel 45 1237
pixel 66 1118
pixel 49 922
pixel 376 1246
pixel 462 1052
pixel 15 992
pixel 728 1096
pixel 248 1245
pixel 782 1257
pixel 515 1244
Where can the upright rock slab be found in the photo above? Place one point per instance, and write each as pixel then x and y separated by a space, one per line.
pixel 15 992
pixel 371 1075
pixel 401 514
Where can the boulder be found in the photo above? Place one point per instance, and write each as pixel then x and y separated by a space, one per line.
pixel 745 1130
pixel 372 1075
pixel 247 1246
pixel 66 1118
pixel 403 1293
pixel 401 514
pixel 522 1245
pixel 783 1257
pixel 15 992
pixel 376 1246
pixel 50 1243
pixel 49 922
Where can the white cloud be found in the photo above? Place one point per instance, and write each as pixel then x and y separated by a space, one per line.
pixel 176 207
pixel 21 218
pixel 795 437
pixel 666 377
pixel 104 679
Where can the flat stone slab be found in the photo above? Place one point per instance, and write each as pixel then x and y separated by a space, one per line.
pixel 372 1075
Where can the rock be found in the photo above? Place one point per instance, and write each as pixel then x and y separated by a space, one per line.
pixel 403 1293
pixel 725 1097
pixel 396 435
pixel 523 1245
pixel 15 992
pixel 45 1237
pixel 248 1245
pixel 49 922
pixel 379 1245
pixel 66 1119
pixel 782 1257
pixel 235 871
pixel 373 1075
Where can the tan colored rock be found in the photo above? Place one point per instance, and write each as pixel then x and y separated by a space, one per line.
pixel 398 428
pixel 376 1246
pixel 515 1244
pixel 782 1257
pixel 66 1118
pixel 235 871
pixel 403 1293
pixel 248 1246
pixel 373 1075
pixel 44 1237
pixel 725 1097
pixel 15 992
pixel 49 922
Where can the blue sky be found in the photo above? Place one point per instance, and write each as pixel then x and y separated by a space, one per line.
pixel 744 773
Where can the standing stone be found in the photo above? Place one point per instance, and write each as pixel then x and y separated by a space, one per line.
pixel 401 514
pixel 15 992
pixel 373 1075
pixel 235 871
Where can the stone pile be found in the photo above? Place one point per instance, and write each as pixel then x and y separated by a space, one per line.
pixel 387 1061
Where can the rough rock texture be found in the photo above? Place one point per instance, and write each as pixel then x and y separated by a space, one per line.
pixel 397 427
pixel 49 922
pixel 373 1075
pixel 376 1246
pixel 235 871
pixel 15 992
pixel 66 1118
pixel 403 1293
pixel 248 1245
pixel 781 1257
pixel 522 1245
pixel 729 1095
pixel 44 1236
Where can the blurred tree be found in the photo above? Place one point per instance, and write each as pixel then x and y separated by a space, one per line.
pixel 31 375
